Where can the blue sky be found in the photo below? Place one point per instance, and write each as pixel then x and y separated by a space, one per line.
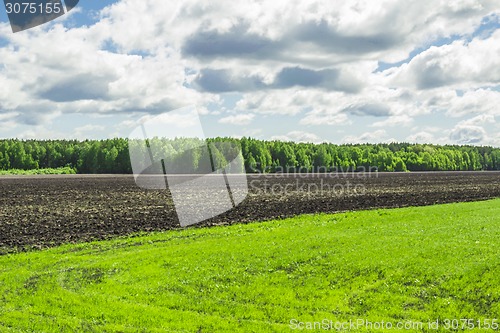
pixel 346 72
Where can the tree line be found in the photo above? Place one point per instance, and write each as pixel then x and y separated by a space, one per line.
pixel 112 155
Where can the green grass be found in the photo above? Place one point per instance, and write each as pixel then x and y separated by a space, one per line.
pixel 47 171
pixel 411 264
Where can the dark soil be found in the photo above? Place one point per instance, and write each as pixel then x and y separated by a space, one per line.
pixel 43 211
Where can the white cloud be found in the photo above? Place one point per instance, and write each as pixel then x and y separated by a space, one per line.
pixel 312 61
pixel 240 119
pixel 393 121
pixel 84 131
pixel 459 64
pixel 391 106
pixel 324 117
pixel 298 136
pixel 378 136
pixel 79 75
pixel 481 101
pixel 284 102
pixel 479 120
pixel 468 134
pixel 421 137
pixel 41 133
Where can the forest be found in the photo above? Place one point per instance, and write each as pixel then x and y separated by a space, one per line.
pixel 112 155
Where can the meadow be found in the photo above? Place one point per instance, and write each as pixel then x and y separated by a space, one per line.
pixel 45 171
pixel 406 265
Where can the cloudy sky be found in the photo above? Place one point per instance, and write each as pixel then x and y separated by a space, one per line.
pixel 336 71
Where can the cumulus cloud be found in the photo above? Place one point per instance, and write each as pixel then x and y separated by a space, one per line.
pixel 479 120
pixel 368 109
pixel 298 136
pixel 458 64
pixel 472 131
pixel 421 137
pixel 240 119
pixel 237 42
pixel 77 75
pixel 286 102
pixel 324 117
pixel 378 136
pixel 83 132
pixel 473 102
pixel 399 120
pixel 224 80
pixel 468 134
pixel 289 30
pixel 315 62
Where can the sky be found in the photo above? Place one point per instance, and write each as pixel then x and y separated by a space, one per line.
pixel 309 71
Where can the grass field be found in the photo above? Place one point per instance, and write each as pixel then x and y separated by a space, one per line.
pixel 47 171
pixel 403 265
